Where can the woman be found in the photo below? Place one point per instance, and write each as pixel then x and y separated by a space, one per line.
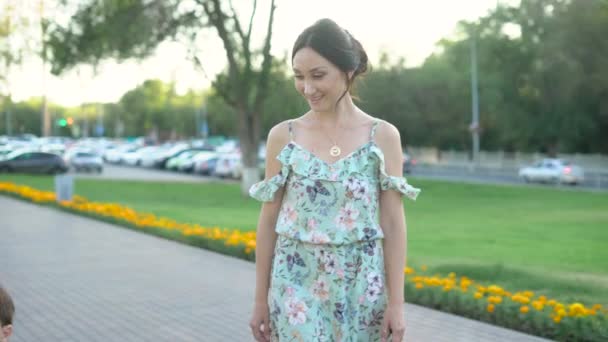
pixel 327 270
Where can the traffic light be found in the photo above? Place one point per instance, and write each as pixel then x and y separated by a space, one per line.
pixel 70 121
pixel 63 122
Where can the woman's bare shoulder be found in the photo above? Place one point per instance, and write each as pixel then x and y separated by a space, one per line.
pixel 278 136
pixel 387 135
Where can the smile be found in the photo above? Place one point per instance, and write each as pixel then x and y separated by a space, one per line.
pixel 315 99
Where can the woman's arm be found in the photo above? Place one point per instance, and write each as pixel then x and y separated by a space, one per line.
pixel 392 216
pixel 266 235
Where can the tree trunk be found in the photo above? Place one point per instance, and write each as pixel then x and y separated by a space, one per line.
pixel 249 127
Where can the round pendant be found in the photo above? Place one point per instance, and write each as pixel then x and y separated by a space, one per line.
pixel 334 151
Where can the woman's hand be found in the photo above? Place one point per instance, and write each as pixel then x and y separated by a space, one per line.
pixel 260 322
pixel 393 323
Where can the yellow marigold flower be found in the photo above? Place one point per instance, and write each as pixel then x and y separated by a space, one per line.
pixel 419 285
pixel 538 305
pixel 542 299
pixel 552 302
pixel 520 299
pixel 495 299
pixel 576 309
pixel 528 294
pixel 495 289
pixel 557 319
pixel 481 289
pixel 478 295
pixel 490 307
pixel 408 270
pixel 465 282
pixel 452 275
pixel 597 307
pixel 447 288
pixel 524 309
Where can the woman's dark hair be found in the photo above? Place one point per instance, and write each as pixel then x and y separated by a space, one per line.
pixel 336 45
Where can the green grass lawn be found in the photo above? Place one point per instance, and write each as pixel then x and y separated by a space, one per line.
pixel 547 240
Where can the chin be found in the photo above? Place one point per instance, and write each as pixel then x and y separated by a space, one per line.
pixel 320 108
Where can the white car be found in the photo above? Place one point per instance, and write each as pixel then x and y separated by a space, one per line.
pixel 135 158
pixel 88 161
pixel 553 171
pixel 114 156
pixel 228 165
pixel 149 158
pixel 188 165
pixel 205 164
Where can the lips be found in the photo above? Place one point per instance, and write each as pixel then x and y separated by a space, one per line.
pixel 315 99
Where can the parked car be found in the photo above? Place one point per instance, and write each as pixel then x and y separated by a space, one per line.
pixel 553 171
pixel 206 166
pixel 135 157
pixel 148 159
pixel 188 164
pixel 115 156
pixel 162 158
pixel 228 165
pixel 408 163
pixel 175 162
pixel 86 161
pixel 33 162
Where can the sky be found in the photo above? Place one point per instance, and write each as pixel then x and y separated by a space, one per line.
pixel 402 28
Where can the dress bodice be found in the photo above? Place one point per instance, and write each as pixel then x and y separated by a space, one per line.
pixel 333 203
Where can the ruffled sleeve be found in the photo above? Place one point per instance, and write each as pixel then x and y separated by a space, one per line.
pixel 400 184
pixel 264 190
pixel 397 183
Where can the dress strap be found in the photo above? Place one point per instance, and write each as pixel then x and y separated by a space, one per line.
pixel 373 131
pixel 290 129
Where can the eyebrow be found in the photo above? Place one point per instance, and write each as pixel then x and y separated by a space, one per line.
pixel 320 68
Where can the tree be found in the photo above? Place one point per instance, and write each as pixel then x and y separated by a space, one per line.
pixel 12 24
pixel 132 29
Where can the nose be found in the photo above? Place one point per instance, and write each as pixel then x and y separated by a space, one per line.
pixel 308 88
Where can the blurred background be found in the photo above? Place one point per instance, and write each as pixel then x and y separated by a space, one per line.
pixel 154 114
pixel 490 91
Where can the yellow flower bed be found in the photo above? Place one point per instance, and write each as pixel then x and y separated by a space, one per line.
pixel 230 237
pixel 493 295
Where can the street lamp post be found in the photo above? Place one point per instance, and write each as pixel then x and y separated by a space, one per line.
pixel 474 127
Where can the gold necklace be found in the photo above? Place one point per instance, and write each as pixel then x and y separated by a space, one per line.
pixel 335 150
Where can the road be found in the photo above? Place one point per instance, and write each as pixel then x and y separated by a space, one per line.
pixel 594 182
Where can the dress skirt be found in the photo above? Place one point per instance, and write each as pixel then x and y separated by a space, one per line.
pixel 327 292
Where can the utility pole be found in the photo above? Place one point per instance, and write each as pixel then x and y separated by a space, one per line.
pixel 474 127
pixel 205 127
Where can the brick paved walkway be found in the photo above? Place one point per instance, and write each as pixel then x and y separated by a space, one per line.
pixel 77 279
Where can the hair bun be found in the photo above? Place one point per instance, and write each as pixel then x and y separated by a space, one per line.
pixel 361 54
pixel 363 60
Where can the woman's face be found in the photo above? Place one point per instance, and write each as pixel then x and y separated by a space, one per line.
pixel 318 80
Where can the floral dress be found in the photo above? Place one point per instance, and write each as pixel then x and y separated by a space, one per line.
pixel 327 277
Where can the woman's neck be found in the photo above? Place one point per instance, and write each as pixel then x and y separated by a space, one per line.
pixel 345 112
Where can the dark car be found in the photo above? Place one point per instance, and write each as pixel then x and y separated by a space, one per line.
pixel 33 162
